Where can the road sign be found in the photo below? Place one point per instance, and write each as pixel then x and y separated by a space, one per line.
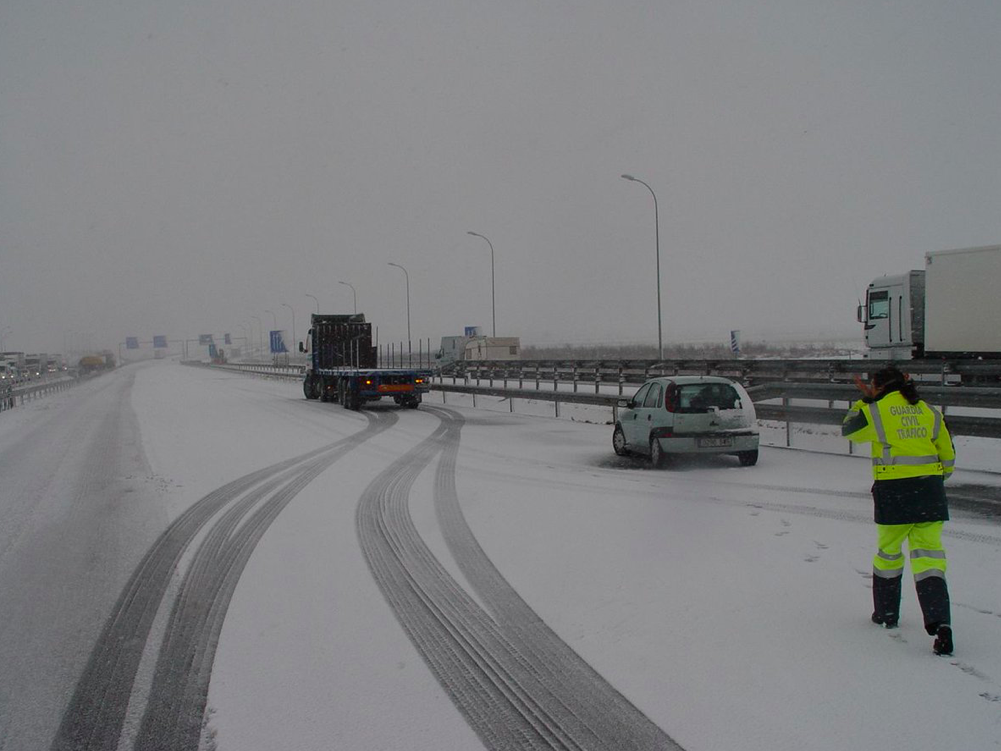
pixel 227 340
pixel 132 342
pixel 278 342
pixel 160 342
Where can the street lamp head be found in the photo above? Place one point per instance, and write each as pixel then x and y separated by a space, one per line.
pixel 629 177
pixel 474 234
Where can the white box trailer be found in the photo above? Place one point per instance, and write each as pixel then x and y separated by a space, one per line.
pixel 963 302
pixel 950 309
pixel 463 348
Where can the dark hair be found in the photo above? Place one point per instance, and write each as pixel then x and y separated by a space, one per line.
pixel 891 379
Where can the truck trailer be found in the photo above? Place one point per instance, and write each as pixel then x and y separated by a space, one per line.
pixel 468 348
pixel 343 366
pixel 951 309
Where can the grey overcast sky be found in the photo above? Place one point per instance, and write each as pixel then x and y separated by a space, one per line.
pixel 178 167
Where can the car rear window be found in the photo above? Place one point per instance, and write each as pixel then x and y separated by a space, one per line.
pixel 695 398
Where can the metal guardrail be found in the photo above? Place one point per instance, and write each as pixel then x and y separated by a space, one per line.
pixel 11 396
pixel 761 393
pixel 983 427
pixel 294 372
pixel 593 373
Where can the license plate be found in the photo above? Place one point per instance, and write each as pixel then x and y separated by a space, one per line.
pixel 715 443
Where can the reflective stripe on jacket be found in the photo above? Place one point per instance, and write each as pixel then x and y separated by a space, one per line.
pixel 908 440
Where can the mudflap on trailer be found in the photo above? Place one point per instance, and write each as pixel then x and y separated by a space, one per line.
pixel 410 401
pixel 327 389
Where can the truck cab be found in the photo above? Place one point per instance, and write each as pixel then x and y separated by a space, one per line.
pixel 893 316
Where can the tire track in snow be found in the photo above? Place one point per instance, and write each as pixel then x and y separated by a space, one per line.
pixel 516 683
pixel 609 715
pixel 176 704
pixel 95 715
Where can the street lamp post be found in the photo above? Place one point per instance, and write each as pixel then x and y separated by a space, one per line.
pixel 408 296
pixel 261 339
pixel 317 303
pixel 656 225
pixel 355 294
pixel 293 322
pixel 493 298
pixel 247 341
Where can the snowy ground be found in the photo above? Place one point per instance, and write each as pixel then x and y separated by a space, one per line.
pixel 729 604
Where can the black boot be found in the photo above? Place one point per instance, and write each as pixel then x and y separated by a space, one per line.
pixel 886 600
pixel 933 595
pixel 943 640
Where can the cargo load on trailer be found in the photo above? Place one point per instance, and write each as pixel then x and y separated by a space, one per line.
pixel 951 309
pixel 343 366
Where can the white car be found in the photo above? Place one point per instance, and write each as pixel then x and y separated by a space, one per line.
pixel 688 415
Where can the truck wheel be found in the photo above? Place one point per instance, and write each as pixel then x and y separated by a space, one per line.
pixel 324 390
pixel 350 399
pixel 309 388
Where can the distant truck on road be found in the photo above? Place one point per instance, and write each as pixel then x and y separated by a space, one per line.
pixel 343 366
pixel 949 310
pixel 11 367
pixel 466 348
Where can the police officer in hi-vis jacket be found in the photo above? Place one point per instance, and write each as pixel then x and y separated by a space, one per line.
pixel 912 455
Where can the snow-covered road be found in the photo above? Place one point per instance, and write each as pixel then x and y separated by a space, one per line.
pixel 451 578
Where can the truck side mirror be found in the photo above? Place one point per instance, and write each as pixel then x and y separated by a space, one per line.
pixel 302 347
pixel 858 313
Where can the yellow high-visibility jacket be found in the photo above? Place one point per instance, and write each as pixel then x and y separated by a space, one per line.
pixel 908 440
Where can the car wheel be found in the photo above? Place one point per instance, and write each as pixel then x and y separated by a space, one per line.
pixel 657 456
pixel 619 442
pixel 748 458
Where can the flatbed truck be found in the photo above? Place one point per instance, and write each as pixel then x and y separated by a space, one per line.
pixel 343 366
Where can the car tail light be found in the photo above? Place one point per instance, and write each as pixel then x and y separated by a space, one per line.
pixel 671 397
pixel 368 381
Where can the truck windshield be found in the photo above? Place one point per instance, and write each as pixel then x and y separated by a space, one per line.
pixel 879 305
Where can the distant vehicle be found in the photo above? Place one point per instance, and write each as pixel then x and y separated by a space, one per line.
pixel 948 310
pixel 343 366
pixel 16 358
pixel 36 365
pixel 8 373
pixel 466 348
pixel 96 363
pixel 688 415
